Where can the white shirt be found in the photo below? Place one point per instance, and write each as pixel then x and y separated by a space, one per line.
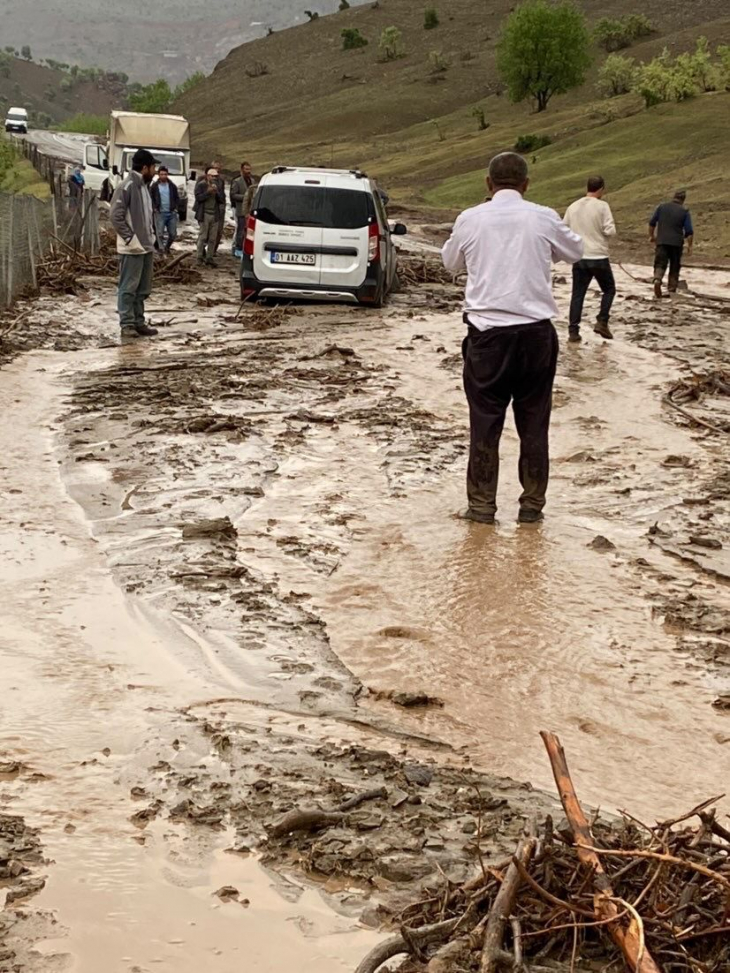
pixel 592 219
pixel 507 247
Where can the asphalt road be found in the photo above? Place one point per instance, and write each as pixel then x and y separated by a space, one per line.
pixel 61 145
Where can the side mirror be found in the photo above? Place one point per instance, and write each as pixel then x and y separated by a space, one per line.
pixel 105 163
pixel 193 175
pixel 399 229
pixel 115 170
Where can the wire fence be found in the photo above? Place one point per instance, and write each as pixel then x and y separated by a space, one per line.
pixel 30 228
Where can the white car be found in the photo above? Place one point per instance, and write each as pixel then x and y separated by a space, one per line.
pixel 319 234
pixel 16 120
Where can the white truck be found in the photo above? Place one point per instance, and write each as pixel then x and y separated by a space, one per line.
pixel 166 136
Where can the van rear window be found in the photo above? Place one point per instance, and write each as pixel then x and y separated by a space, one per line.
pixel 340 209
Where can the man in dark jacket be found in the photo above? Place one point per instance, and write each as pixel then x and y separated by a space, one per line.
pixel 210 208
pixel 165 202
pixel 132 217
pixel 669 228
pixel 76 186
pixel 241 198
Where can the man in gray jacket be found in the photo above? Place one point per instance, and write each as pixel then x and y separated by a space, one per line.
pixel 241 198
pixel 133 219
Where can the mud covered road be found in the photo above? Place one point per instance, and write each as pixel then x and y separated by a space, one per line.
pixel 234 589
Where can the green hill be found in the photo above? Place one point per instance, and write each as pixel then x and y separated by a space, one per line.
pixel 297 96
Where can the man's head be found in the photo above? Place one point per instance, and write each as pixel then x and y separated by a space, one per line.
pixel 680 196
pixel 245 168
pixel 216 166
pixel 164 173
pixel 596 186
pixel 145 164
pixel 211 174
pixel 508 171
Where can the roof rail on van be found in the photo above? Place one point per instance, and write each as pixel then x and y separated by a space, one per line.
pixel 357 173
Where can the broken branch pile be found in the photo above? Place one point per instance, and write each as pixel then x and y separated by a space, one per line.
pixel 414 270
pixel 696 389
pixel 618 895
pixel 63 266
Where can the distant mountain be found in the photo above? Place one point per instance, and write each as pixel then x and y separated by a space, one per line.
pixel 148 39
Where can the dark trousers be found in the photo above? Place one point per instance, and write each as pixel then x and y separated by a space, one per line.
pixel 240 232
pixel 668 256
pixel 502 365
pixel 135 286
pixel 583 273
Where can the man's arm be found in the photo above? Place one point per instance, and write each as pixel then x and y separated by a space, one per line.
pixel 609 223
pixel 653 222
pixel 118 214
pixel 238 191
pixel 689 232
pixel 452 254
pixel 201 191
pixel 566 245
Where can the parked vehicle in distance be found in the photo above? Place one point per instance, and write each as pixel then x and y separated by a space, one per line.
pixel 319 234
pixel 166 136
pixel 16 120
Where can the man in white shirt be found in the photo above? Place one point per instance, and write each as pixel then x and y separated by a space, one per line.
pixel 507 247
pixel 591 218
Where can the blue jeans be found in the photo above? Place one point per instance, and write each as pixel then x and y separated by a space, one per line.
pixel 135 286
pixel 166 221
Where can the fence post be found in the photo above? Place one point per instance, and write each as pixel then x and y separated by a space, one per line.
pixel 10 247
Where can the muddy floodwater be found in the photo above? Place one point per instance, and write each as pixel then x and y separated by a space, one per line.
pixel 233 585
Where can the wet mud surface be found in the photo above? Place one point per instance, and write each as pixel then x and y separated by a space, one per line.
pixel 247 633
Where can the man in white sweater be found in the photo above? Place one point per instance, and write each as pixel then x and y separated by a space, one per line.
pixel 591 218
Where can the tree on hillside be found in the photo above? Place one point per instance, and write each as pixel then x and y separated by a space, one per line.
pixel 189 83
pixel 344 5
pixel 312 15
pixel 390 44
pixel 617 76
pixel 25 53
pixel 430 18
pixel 352 39
pixel 154 98
pixel 543 51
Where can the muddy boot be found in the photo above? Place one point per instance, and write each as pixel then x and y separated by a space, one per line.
pixel 145 331
pixel 574 334
pixel 128 334
pixel 528 516
pixel 657 288
pixel 477 516
pixel 603 329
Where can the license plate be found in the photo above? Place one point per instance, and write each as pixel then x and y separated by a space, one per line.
pixel 280 257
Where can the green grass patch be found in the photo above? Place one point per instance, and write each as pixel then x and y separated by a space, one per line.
pixel 85 124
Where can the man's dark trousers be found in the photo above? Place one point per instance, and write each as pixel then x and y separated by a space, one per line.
pixel 135 286
pixel 514 364
pixel 583 273
pixel 668 256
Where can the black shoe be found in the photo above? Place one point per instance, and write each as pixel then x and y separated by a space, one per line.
pixel 212 263
pixel 129 333
pixel 477 516
pixel 603 330
pixel 657 288
pixel 527 516
pixel 574 333
pixel 145 331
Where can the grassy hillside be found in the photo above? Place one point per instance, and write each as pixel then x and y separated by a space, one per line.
pixel 38 89
pixel 298 97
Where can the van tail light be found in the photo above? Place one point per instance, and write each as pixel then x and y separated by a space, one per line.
pixel 373 243
pixel 250 236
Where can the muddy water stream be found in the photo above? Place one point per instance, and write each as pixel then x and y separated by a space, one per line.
pixel 347 528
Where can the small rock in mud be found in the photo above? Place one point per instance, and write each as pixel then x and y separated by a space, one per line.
pixel 142 818
pixel 217 527
pixel 25 890
pixel 711 543
pixel 227 893
pixel 11 767
pixel 722 702
pixel 601 543
pixel 677 462
pixel 305 415
pixel 418 774
pixel 408 700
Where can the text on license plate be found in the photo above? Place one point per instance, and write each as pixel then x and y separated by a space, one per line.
pixel 279 257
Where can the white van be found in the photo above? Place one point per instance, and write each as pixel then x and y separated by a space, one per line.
pixel 319 234
pixel 16 120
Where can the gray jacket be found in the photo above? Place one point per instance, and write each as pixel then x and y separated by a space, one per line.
pixel 242 194
pixel 131 216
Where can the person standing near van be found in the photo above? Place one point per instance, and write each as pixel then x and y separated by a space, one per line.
pixel 132 217
pixel 591 218
pixel 165 202
pixel 210 206
pixel 241 202
pixel 669 228
pixel 507 247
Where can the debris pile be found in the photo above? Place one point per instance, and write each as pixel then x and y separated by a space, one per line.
pixel 63 266
pixel 646 899
pixel 696 390
pixel 414 270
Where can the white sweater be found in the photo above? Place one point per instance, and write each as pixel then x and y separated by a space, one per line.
pixel 591 218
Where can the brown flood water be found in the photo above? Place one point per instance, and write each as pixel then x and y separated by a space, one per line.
pixel 516 629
